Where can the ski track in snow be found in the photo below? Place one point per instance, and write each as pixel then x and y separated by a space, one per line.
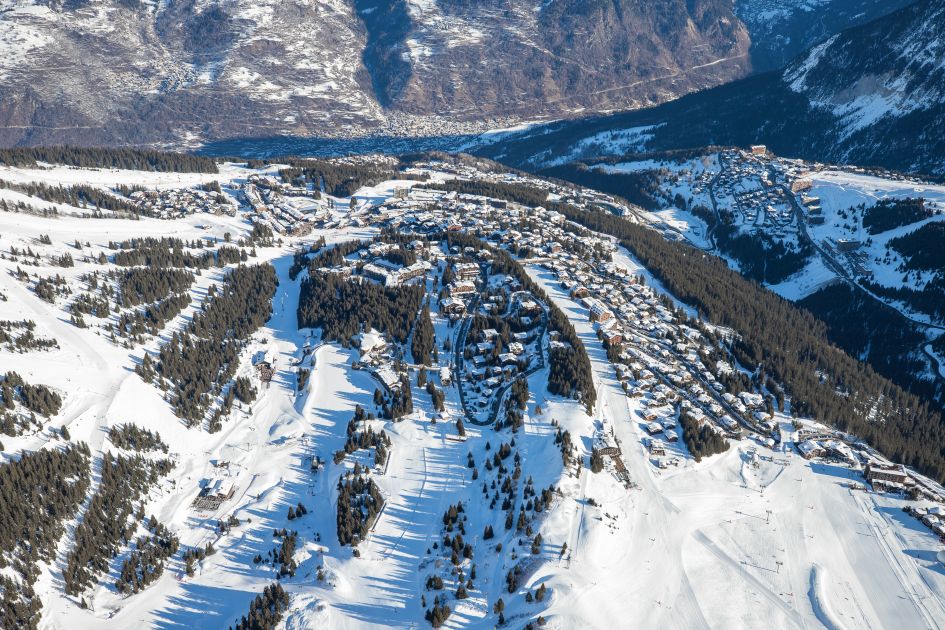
pixel 689 547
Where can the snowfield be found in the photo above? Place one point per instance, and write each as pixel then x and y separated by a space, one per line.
pixel 750 538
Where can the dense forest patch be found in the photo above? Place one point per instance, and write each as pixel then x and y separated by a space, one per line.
pixel 922 248
pixel 892 213
pixel 104 529
pixel 199 361
pixel 131 159
pixel 38 492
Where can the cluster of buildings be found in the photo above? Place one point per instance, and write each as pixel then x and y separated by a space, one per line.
pixel 284 208
pixel 175 203
pixel 490 363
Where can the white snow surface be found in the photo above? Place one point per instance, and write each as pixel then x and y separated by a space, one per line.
pixel 714 544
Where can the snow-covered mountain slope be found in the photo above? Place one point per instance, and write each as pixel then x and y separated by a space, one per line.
pixel 782 29
pixel 754 536
pixel 856 248
pixel 873 95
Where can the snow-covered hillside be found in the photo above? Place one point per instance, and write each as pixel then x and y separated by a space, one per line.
pixel 870 95
pixel 755 536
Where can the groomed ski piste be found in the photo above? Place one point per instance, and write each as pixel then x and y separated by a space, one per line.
pixel 750 538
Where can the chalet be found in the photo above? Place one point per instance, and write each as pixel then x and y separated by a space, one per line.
pixel 527 306
pixel 462 288
pixel 810 449
pixel 446 376
pixel 654 428
pixel 467 270
pixel 599 312
pixel 507 358
pixel 388 378
pixel 613 336
pixel 657 448
pixel 516 348
pixel 889 477
pixel 265 371
pixel 452 306
pixel 840 451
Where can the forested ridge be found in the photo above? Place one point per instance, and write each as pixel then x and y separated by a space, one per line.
pixel 342 307
pixel 104 529
pixel 38 492
pixel 339 179
pixel 892 213
pixel 791 344
pixel 787 341
pixel 77 196
pixel 199 361
pixel 131 159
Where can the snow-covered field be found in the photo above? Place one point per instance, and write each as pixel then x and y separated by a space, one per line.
pixel 735 540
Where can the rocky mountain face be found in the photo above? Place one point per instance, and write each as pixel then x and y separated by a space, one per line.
pixel 873 94
pixel 181 72
pixel 782 29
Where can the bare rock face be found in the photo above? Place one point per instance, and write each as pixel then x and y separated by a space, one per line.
pixel 182 72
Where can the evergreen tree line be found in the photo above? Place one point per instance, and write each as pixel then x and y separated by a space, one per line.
pixel 424 338
pixel 146 563
pixel 77 196
pixel 152 318
pixel 143 285
pixel 865 327
pixel 359 503
pixel 38 493
pixel 343 308
pixel 21 207
pixel 100 157
pixel 284 556
pixel 243 390
pixel 131 437
pixel 760 257
pixel 359 439
pixel 399 403
pixel 641 187
pixel 922 248
pixel 160 252
pixel 701 441
pixel 338 179
pixel 265 611
pixel 25 340
pixel 200 360
pixel 36 398
pixel 930 299
pixel 888 214
pixel 105 528
pixel 47 289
